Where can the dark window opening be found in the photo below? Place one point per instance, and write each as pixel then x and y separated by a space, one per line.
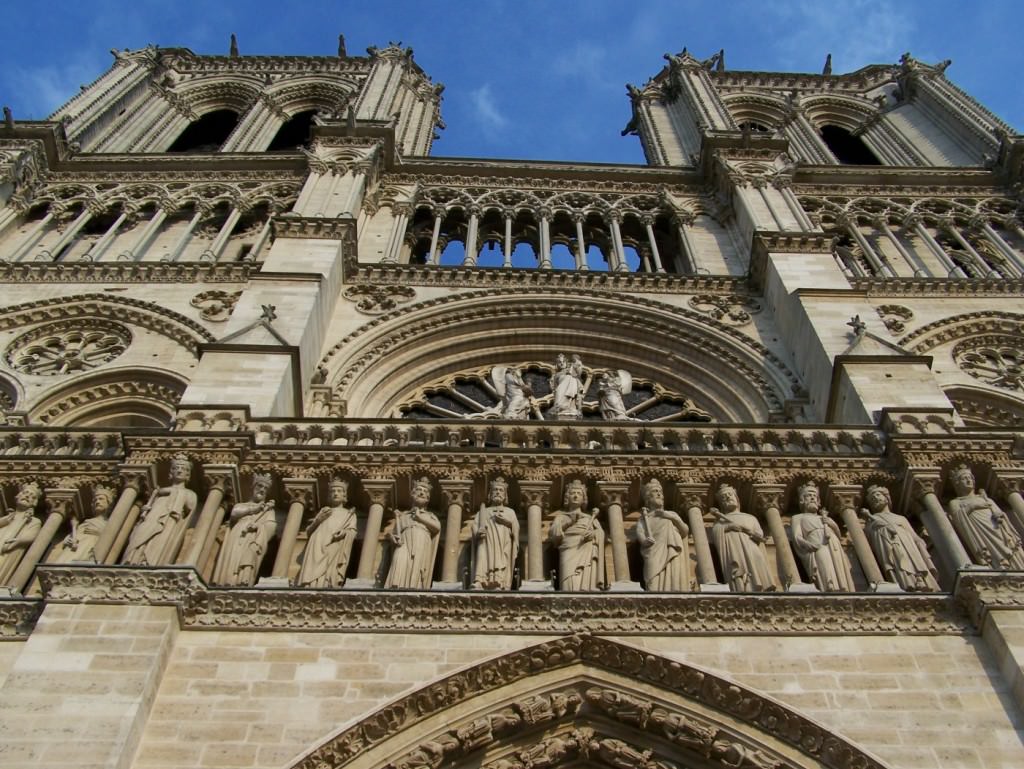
pixel 754 127
pixel 848 149
pixel 294 133
pixel 206 134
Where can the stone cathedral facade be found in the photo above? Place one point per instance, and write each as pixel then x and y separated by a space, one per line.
pixel 321 452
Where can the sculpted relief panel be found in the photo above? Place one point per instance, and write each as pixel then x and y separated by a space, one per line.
pixel 566 390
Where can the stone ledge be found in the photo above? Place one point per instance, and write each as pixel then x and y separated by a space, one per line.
pixel 980 591
pixel 18 616
pixel 202 607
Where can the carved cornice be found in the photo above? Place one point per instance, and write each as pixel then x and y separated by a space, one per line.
pixel 928 287
pixel 18 617
pixel 480 612
pixel 342 228
pixel 979 592
pixel 126 272
pixel 563 280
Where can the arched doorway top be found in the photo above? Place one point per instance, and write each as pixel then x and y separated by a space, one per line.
pixel 585 699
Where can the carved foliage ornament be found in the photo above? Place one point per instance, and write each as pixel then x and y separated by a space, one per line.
pixel 895 317
pixel 734 309
pixel 215 305
pixel 68 347
pixel 994 359
pixel 374 300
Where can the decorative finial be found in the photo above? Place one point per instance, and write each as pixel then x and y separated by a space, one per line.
pixel 8 117
pixel 720 65
pixel 858 326
pixel 828 65
pixel 341 47
pixel 233 52
pixel 269 312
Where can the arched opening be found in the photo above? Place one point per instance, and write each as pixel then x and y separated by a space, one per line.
pixel 294 133
pixel 206 134
pixel 585 701
pixel 848 149
pixel 137 397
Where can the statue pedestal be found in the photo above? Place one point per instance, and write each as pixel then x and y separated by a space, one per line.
pixel 446 586
pixel 713 587
pixel 888 587
pixel 273 583
pixel 803 587
pixel 536 586
pixel 625 587
pixel 359 584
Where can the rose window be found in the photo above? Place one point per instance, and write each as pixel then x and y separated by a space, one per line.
pixel 67 348
pixel 998 362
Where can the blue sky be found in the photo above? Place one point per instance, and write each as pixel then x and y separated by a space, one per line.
pixel 528 79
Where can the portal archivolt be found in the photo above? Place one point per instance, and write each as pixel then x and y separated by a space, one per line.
pixel 583 700
pixel 732 376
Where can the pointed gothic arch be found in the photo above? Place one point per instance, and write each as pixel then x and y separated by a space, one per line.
pixel 584 698
pixel 735 378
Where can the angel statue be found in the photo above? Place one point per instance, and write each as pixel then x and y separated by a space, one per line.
pixel 611 386
pixel 515 394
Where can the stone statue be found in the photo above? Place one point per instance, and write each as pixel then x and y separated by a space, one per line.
pixel 18 530
pixel 253 525
pixel 329 544
pixel 739 540
pixel 685 730
pixel 611 386
pixel 984 528
pixel 79 544
pixel 901 553
pixel 515 394
pixel 568 388
pixel 414 542
pixel 158 535
pixel 819 544
pixel 663 543
pixel 580 541
pixel 495 539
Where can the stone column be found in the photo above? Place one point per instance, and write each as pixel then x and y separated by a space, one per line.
pixel 536 495
pixel 924 486
pixel 137 480
pixel 951 227
pixel 216 249
pixel 648 222
pixel 469 259
pixel 1011 257
pixel 618 260
pixel 507 255
pixel 846 498
pixel 456 494
pixel 186 236
pixel 952 270
pixel 614 496
pixel 784 185
pixel 223 480
pixel 881 269
pixel 1010 483
pixel 912 261
pixel 33 236
pixel 301 493
pixel 692 499
pixel 137 250
pixel 382 493
pixel 581 244
pixel 95 253
pixel 687 254
pixel 72 230
pixel 62 503
pixel 433 256
pixel 544 252
pixel 769 501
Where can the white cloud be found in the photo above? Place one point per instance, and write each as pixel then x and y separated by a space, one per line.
pixel 486 108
